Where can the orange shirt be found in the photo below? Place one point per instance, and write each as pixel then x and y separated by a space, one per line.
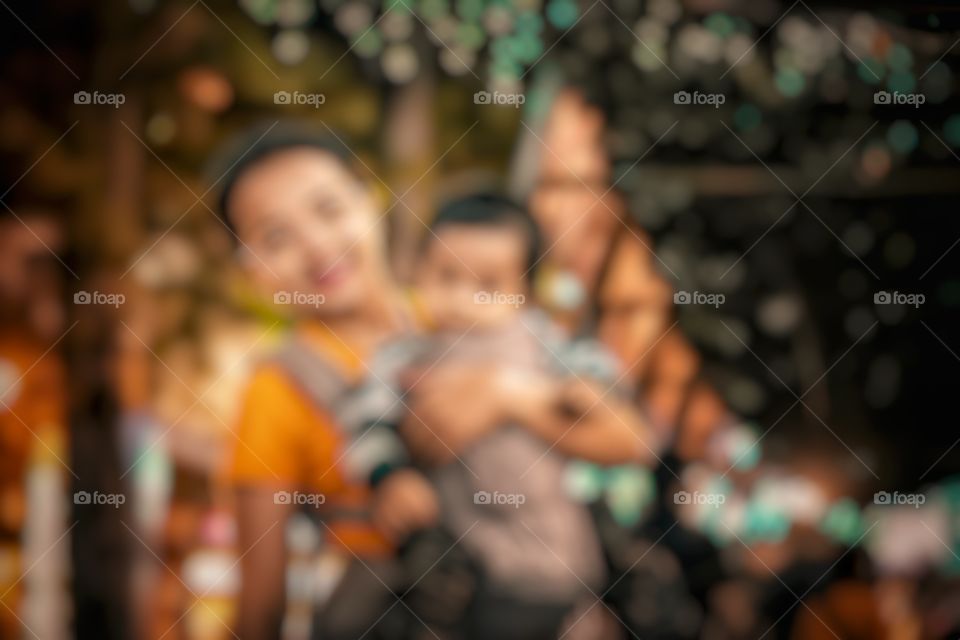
pixel 285 441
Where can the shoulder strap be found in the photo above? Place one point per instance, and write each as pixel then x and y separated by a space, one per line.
pixel 322 384
pixel 315 376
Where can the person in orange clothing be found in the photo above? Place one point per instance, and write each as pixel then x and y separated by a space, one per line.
pixel 308 238
pixel 33 445
pixel 31 436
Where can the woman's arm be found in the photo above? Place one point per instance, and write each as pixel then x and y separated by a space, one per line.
pixel 277 435
pixel 583 421
pixel 455 405
pixel 260 528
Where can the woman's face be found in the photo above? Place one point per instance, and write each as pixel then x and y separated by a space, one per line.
pixel 577 223
pixel 634 304
pixel 310 230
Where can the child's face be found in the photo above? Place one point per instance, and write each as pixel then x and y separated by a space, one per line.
pixel 473 275
pixel 311 229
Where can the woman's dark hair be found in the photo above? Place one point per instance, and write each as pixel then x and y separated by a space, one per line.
pixel 491 210
pixel 255 145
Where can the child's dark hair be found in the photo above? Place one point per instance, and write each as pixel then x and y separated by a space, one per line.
pixel 254 146
pixel 491 209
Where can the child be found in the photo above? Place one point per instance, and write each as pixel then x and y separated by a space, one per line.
pixel 503 500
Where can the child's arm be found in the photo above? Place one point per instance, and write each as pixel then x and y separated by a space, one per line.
pixel 404 502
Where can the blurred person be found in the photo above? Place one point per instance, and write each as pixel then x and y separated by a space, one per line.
pixel 575 206
pixel 784 525
pixel 791 518
pixel 33 437
pixel 307 225
pixel 536 555
pixel 309 235
pixel 601 276
pixel 634 319
pixel 633 309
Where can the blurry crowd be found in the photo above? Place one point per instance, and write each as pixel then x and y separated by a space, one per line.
pixel 514 440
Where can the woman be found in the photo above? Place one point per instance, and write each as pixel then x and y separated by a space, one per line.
pixel 308 228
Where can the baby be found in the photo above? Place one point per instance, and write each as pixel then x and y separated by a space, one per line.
pixel 504 497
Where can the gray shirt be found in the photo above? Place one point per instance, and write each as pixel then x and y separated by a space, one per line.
pixel 504 497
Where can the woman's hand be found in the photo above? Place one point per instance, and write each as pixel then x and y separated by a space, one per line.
pixel 584 421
